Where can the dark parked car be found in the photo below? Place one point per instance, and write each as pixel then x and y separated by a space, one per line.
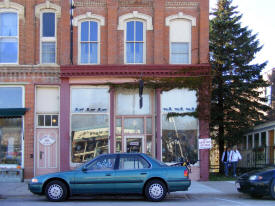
pixel 257 183
pixel 131 173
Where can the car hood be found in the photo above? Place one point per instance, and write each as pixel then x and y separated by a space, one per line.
pixel 258 171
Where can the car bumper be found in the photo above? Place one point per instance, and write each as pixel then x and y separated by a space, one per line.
pixel 35 188
pixel 179 185
pixel 253 187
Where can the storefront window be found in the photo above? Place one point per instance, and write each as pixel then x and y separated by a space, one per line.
pixel 263 139
pixel 179 134
pixel 89 123
pixel 11 141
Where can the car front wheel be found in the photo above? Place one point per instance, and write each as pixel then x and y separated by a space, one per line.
pixel 56 191
pixel 272 189
pixel 155 190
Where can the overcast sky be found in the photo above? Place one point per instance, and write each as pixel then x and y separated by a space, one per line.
pixel 259 16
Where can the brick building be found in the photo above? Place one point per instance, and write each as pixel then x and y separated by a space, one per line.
pixel 69 95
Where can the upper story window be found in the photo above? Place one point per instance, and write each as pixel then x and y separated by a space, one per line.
pixel 9 37
pixel 48 38
pixel 180 37
pixel 89 37
pixel 135 25
pixel 134 42
pixel 89 43
pixel 48 14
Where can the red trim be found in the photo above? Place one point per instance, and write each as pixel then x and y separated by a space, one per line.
pixel 165 70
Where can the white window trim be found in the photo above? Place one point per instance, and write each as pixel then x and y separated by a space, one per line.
pixel 7 6
pixel 184 17
pixel 49 6
pixel 17 37
pixel 144 41
pixel 89 17
pixel 74 164
pixel 48 39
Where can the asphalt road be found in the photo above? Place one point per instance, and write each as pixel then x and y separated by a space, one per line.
pixel 200 193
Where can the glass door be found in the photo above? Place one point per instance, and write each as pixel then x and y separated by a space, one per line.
pixel 134 144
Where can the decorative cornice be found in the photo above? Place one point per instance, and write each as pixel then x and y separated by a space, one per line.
pixel 122 19
pixel 180 15
pixel 91 3
pixel 11 5
pixel 88 16
pixel 135 3
pixel 181 4
pixel 135 70
pixel 47 6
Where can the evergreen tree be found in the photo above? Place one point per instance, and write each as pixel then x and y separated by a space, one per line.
pixel 236 103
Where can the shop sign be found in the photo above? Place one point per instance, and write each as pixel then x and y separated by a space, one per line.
pixel 205 143
pixel 179 109
pixel 47 141
pixel 134 143
pixel 90 110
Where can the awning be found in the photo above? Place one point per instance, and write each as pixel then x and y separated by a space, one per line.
pixel 13 112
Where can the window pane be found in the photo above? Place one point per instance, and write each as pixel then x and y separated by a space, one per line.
pixel 139 53
pixel 118 144
pixel 130 163
pixel 11 97
pixel 180 53
pixel 48 25
pixel 93 31
pixel 8 50
pixel 179 59
pixel 54 120
pixel 263 138
pixel 130 31
pixel 48 52
pixel 103 163
pixel 256 140
pixel 84 53
pixel 118 126
pixel 139 31
pixel 41 121
pixel 149 145
pixel 130 52
pixel 93 53
pixel 8 24
pixel 133 125
pixel 84 31
pixel 11 141
pixel 149 125
pixel 48 120
pixel 90 134
pixel 179 48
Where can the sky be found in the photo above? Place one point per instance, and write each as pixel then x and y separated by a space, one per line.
pixel 259 16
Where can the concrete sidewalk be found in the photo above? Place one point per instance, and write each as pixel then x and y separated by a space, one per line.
pixel 20 189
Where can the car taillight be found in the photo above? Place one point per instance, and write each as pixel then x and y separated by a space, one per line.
pixel 185 173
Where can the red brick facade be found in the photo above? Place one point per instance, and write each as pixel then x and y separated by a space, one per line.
pixel 29 72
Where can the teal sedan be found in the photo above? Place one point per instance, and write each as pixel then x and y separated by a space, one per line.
pixel 131 173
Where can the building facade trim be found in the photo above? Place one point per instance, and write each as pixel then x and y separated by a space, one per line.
pixel 7 5
pixel 47 6
pixel 180 15
pixel 88 16
pixel 135 15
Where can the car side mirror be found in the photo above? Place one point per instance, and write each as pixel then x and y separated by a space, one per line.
pixel 84 168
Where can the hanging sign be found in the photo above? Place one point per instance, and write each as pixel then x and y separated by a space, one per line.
pixel 205 143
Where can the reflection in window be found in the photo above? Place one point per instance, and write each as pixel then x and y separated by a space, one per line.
pixel 11 97
pixel 8 37
pixel 118 144
pixel 257 140
pixel 10 141
pixel 103 163
pixel 263 139
pixel 179 139
pixel 134 42
pixel 133 126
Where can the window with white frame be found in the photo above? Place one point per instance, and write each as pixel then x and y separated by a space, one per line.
pixel 134 43
pixel 9 37
pixel 180 37
pixel 48 38
pixel 89 42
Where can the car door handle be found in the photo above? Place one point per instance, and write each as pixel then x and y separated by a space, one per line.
pixel 143 173
pixel 108 175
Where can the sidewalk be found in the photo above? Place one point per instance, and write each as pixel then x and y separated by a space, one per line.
pixel 20 189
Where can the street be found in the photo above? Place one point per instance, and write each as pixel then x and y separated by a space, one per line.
pixel 201 193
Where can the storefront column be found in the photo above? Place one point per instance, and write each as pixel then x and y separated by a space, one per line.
pixel 64 125
pixel 158 124
pixel 112 120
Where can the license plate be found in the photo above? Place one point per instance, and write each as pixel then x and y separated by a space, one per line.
pixel 238 186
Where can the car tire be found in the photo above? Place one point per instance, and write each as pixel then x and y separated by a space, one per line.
pixel 56 191
pixel 272 189
pixel 155 190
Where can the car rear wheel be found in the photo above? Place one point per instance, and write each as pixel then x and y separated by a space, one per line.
pixel 272 189
pixel 155 190
pixel 56 191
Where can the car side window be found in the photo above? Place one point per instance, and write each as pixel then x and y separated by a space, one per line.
pixel 133 162
pixel 103 163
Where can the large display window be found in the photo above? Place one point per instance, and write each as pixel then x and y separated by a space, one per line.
pixel 89 122
pixel 179 134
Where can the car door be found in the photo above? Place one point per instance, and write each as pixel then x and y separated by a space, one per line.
pixel 131 174
pixel 96 177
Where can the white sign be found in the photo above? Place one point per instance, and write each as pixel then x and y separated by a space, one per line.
pixel 205 143
pixel 47 141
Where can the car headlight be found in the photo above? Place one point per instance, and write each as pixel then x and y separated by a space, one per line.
pixel 255 177
pixel 34 180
